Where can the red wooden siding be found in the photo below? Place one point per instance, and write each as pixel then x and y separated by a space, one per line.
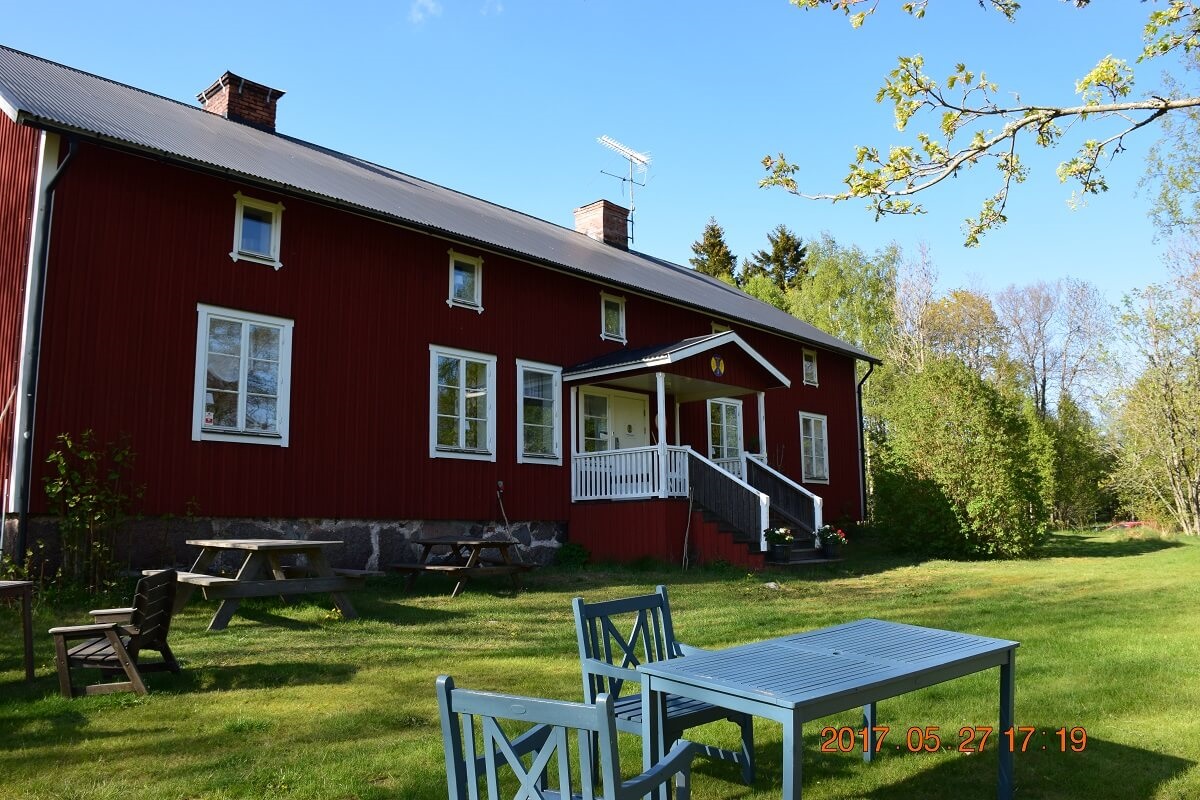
pixel 138 243
pixel 18 172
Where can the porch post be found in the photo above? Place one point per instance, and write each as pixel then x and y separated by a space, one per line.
pixel 678 433
pixel 660 378
pixel 574 443
pixel 762 425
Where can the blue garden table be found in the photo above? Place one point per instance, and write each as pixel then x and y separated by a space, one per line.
pixel 805 676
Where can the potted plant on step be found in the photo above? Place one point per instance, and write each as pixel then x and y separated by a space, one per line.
pixel 779 544
pixel 831 540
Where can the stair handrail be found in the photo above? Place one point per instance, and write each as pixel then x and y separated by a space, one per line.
pixel 818 502
pixel 764 501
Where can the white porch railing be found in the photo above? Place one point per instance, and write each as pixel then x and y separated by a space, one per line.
pixel 629 474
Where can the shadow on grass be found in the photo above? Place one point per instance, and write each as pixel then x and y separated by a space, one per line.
pixel 1100 545
pixel 1102 770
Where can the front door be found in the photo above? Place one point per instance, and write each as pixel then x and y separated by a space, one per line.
pixel 613 420
pixel 630 427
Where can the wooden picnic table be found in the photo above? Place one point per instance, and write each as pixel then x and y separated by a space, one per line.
pixel 464 560
pixel 263 574
pixel 23 590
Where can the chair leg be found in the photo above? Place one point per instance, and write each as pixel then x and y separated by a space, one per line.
pixel 127 663
pixel 169 658
pixel 64 667
pixel 746 723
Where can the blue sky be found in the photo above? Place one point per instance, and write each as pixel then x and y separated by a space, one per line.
pixel 504 99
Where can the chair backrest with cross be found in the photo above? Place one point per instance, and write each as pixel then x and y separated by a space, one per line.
pixel 524 748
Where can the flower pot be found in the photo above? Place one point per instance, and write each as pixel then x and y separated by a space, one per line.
pixel 831 548
pixel 779 551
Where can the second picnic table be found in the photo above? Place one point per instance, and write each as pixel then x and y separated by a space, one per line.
pixel 465 560
pixel 263 574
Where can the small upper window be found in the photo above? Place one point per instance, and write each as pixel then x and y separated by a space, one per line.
pixel 612 317
pixel 256 231
pixel 810 367
pixel 719 327
pixel 466 281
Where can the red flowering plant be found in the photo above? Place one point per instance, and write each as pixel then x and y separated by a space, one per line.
pixel 831 535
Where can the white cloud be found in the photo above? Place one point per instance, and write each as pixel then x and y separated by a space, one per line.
pixel 423 9
pixel 492 7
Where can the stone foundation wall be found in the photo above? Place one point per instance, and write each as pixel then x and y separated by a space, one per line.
pixel 369 544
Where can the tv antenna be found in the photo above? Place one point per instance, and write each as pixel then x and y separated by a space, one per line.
pixel 639 160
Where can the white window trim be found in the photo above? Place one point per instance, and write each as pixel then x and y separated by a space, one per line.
pixel 824 446
pixel 708 411
pixel 805 354
pixel 276 209
pixel 533 458
pixel 199 432
pixel 477 262
pixel 437 451
pixel 604 334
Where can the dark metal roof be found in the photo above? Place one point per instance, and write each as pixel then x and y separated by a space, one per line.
pixel 628 358
pixel 47 95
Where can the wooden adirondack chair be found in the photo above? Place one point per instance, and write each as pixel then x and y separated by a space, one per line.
pixel 116 639
pixel 617 635
pixel 541 755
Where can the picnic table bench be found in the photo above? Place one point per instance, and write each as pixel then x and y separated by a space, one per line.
pixel 465 560
pixel 262 574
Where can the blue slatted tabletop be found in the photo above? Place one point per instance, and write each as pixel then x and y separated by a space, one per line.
pixel 804 676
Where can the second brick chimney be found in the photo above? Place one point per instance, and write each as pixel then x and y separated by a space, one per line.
pixel 241 100
pixel 604 221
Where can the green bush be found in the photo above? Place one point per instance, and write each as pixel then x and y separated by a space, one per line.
pixel 571 555
pixel 954 470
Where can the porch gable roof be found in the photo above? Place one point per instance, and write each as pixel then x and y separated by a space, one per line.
pixel 660 356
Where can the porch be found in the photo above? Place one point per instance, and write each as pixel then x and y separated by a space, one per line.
pixel 622 428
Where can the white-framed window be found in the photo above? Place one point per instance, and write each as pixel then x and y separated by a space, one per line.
pixel 243 377
pixel 810 367
pixel 462 404
pixel 814 448
pixel 724 428
pixel 612 317
pixel 539 413
pixel 257 229
pixel 466 282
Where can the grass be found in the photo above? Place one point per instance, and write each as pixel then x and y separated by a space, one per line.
pixel 293 702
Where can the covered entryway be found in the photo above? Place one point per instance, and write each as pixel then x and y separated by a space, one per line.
pixel 627 441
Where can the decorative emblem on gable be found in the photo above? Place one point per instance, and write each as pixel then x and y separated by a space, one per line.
pixel 718 365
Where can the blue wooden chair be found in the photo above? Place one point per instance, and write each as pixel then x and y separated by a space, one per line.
pixel 617 635
pixel 478 747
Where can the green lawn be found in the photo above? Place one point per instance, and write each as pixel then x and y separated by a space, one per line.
pixel 293 702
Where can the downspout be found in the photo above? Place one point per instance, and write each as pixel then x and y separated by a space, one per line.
pixel 29 390
pixel 862 442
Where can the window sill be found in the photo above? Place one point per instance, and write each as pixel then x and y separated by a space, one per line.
pixel 547 461
pixel 476 307
pixel 813 384
pixel 216 435
pixel 608 337
pixel 821 481
pixel 237 255
pixel 469 455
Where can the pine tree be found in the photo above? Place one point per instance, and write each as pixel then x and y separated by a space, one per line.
pixel 784 263
pixel 713 256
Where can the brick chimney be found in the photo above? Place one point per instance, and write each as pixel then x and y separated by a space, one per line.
pixel 241 100
pixel 605 222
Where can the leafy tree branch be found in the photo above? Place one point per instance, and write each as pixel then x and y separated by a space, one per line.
pixel 974 128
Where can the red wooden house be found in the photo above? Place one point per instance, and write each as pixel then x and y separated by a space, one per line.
pixel 292 335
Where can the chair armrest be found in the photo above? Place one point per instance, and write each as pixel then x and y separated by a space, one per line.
pixel 682 649
pixel 84 631
pixel 111 614
pixel 677 760
pixel 594 666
